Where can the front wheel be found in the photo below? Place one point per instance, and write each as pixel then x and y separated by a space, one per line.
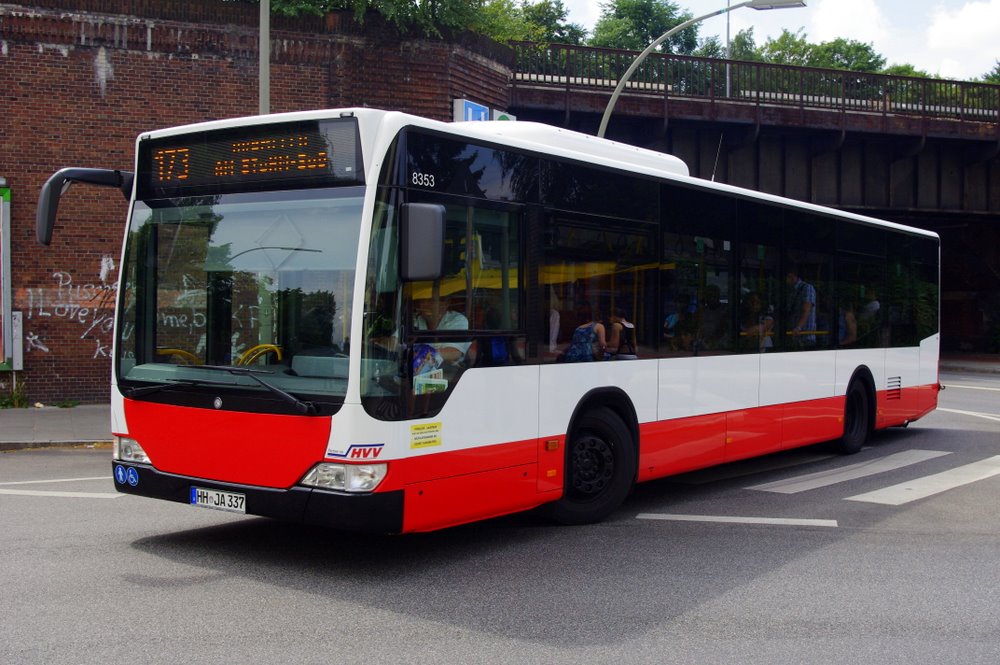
pixel 600 469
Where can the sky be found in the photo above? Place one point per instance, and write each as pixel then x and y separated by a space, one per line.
pixel 951 39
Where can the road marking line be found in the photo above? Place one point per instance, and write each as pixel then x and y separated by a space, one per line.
pixel 813 481
pixel 967 387
pixel 921 488
pixel 729 519
pixel 751 467
pixel 54 480
pixel 986 416
pixel 64 495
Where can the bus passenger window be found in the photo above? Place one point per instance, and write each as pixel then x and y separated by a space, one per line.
pixel 696 272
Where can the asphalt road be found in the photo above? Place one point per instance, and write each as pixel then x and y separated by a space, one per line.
pixel 888 556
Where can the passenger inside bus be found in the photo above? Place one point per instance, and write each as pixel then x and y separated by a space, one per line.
pixel 756 324
pixel 801 319
pixel 588 341
pixel 621 341
pixel 436 314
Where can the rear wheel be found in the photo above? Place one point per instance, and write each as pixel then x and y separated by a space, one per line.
pixel 857 419
pixel 600 469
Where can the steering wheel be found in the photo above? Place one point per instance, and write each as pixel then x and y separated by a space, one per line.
pixel 255 352
pixel 180 353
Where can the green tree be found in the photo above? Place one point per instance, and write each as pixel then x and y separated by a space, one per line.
pixel 789 48
pixel 845 54
pixel 743 46
pixel 906 70
pixel 427 16
pixel 543 22
pixel 794 49
pixel 992 76
pixel 503 20
pixel 711 48
pixel 548 17
pixel 316 7
pixel 635 24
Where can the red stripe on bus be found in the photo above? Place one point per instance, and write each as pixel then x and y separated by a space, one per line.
pixel 458 486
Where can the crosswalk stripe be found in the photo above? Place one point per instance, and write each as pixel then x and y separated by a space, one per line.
pixel 985 416
pixel 750 467
pixel 64 495
pixel 732 519
pixel 53 480
pixel 921 488
pixel 967 387
pixel 813 481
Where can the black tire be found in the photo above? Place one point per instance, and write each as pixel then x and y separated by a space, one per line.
pixel 600 469
pixel 857 419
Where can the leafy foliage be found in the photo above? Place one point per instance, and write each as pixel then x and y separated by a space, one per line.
pixel 743 47
pixel 549 17
pixel 624 24
pixel 634 24
pixel 543 21
pixel 994 75
pixel 906 70
pixel 846 54
pixel 789 48
pixel 502 20
pixel 16 396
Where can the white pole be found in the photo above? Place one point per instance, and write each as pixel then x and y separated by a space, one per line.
pixel 756 4
pixel 642 56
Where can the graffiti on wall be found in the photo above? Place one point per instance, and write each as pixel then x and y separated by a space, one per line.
pixel 84 303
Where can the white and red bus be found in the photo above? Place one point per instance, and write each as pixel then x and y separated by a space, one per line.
pixel 375 321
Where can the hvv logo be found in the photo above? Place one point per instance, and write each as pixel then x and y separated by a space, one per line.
pixel 360 451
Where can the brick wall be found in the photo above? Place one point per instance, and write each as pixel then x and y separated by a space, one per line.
pixel 81 78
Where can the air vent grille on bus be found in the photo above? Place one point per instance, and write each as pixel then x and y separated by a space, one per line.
pixel 894 388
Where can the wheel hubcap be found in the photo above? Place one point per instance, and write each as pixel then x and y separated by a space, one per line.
pixel 592 465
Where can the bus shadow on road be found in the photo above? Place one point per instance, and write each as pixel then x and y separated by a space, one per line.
pixel 520 577
pixel 517 577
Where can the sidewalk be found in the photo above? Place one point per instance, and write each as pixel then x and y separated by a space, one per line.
pixel 986 364
pixel 90 423
pixel 49 426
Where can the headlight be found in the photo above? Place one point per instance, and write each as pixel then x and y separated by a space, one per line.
pixel 346 477
pixel 129 450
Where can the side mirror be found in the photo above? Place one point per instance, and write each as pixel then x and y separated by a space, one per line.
pixel 421 241
pixel 59 182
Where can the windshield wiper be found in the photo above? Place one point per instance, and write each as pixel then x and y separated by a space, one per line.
pixel 149 390
pixel 302 406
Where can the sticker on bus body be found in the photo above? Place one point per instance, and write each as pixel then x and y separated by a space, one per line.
pixel 357 452
pixel 425 435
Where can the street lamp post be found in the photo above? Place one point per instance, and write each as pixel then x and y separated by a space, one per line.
pixel 754 4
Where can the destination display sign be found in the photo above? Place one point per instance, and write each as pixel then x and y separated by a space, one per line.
pixel 251 158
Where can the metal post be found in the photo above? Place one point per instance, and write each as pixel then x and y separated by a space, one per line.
pixel 729 49
pixel 264 49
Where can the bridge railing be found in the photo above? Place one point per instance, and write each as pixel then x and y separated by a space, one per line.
pixel 589 68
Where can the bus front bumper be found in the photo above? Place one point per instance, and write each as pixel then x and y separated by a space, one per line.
pixel 380 512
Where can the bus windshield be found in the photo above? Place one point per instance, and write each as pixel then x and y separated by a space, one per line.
pixel 256 281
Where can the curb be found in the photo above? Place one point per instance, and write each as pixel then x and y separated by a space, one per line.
pixel 12 446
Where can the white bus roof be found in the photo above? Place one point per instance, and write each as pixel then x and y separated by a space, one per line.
pixel 567 143
pixel 539 138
